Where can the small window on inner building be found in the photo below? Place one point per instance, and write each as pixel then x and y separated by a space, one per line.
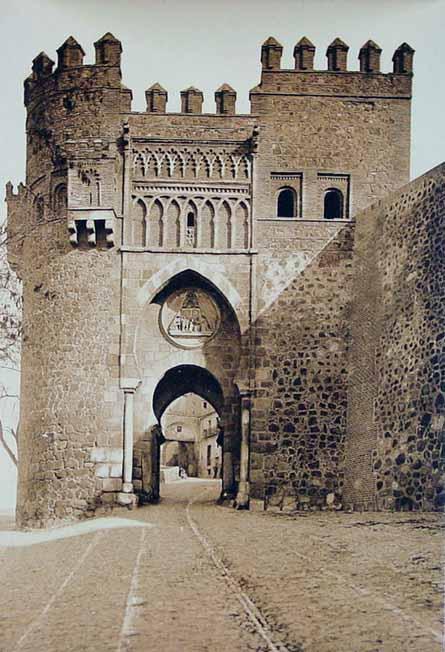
pixel 333 204
pixel 286 204
pixel 178 428
pixel 190 220
pixel 204 404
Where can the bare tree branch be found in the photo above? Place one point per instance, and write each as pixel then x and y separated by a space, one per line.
pixel 6 446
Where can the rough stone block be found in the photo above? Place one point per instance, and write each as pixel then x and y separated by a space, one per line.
pixel 116 470
pixel 111 484
pixel 102 470
pixel 128 500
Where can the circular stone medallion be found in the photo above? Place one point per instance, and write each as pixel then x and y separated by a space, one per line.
pixel 189 318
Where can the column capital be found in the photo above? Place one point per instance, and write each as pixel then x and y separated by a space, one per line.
pixel 130 385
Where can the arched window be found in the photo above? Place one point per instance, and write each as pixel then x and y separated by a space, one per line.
pixel 60 198
pixel 190 232
pixel 286 204
pixel 333 204
pixel 39 209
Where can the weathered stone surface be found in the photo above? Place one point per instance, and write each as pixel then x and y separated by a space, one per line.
pixel 394 453
pixel 123 212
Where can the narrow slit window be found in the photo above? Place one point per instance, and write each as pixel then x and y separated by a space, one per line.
pixel 333 205
pixel 286 205
pixel 190 236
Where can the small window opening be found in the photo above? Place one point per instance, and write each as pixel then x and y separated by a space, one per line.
pixel 333 205
pixel 204 404
pixel 178 428
pixel 101 234
pixel 82 234
pixel 40 209
pixel 60 198
pixel 190 236
pixel 286 203
pixel 209 454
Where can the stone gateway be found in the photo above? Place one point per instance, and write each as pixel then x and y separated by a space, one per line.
pixel 266 262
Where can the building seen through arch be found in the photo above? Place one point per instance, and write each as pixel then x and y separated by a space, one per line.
pixel 190 428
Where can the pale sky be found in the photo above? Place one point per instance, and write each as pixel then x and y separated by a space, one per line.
pixel 205 43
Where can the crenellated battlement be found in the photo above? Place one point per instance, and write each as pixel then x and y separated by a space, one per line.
pixel 337 80
pixel 336 55
pixel 72 75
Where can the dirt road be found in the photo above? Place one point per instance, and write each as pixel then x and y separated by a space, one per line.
pixel 187 575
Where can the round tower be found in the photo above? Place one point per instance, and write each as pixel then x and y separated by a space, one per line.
pixel 64 224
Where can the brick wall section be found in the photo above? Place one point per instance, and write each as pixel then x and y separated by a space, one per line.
pixel 332 122
pixel 396 416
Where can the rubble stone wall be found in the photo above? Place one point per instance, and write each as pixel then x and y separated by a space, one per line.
pixel 302 338
pixel 396 416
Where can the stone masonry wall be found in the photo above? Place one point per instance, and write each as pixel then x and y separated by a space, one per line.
pixel 302 337
pixel 344 130
pixel 308 130
pixel 136 180
pixel 71 407
pixel 396 416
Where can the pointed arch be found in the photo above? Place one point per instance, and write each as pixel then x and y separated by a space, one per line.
pixel 207 224
pixel 245 168
pixel 219 280
pixel 218 167
pixel 240 231
pixel 155 223
pixel 172 225
pixel 139 223
pixel 151 165
pixel 224 225
pixel 191 224
pixel 164 165
pixel 184 379
pixel 139 165
pixel 230 167
pixel 60 199
pixel 190 166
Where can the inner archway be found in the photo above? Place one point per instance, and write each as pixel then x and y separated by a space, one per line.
pixel 185 379
pixel 190 407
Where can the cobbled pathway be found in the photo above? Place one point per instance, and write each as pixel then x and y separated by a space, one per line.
pixel 189 576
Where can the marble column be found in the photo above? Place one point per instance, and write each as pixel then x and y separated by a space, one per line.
pixel 242 497
pixel 128 440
